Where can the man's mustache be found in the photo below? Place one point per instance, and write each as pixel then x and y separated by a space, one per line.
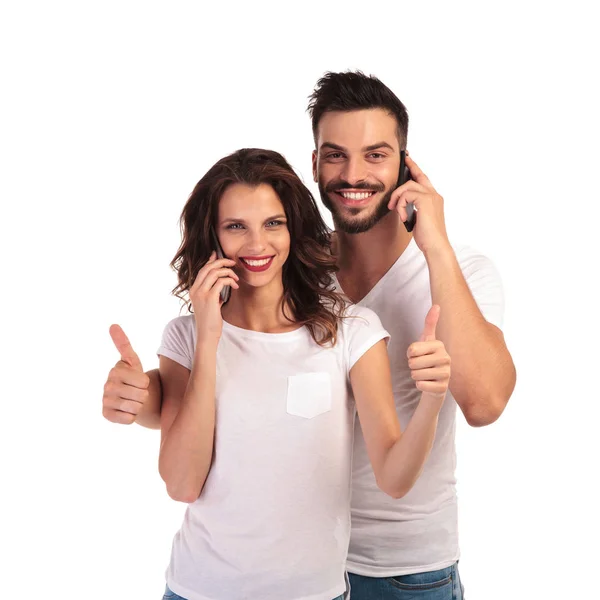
pixel 338 186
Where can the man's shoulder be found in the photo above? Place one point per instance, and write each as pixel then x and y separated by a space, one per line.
pixel 466 251
pixel 472 260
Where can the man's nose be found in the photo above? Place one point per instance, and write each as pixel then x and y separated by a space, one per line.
pixel 355 171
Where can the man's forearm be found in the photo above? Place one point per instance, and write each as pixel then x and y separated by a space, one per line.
pixel 149 415
pixel 483 373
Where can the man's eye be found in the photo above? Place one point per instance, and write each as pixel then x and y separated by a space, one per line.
pixel 376 155
pixel 335 155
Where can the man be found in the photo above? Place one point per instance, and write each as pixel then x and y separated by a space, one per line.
pixel 397 547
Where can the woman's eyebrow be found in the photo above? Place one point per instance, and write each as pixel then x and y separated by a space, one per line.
pixel 243 221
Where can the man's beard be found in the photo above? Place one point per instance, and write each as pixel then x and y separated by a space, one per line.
pixel 342 223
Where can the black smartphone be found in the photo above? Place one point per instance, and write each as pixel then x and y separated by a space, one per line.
pixel 403 177
pixel 226 291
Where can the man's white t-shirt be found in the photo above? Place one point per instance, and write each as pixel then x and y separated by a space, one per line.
pixel 417 533
pixel 273 519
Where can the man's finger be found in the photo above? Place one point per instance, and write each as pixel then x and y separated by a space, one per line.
pixel 431 321
pixel 411 186
pixel 122 373
pixel 118 416
pixel 416 173
pixel 123 345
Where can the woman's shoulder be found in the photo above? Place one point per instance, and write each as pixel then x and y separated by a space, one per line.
pixel 360 329
pixel 183 325
pixel 356 310
pixel 356 317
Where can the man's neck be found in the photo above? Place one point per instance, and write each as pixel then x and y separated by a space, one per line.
pixel 364 258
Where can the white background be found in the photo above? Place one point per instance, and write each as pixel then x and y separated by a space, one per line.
pixel 110 114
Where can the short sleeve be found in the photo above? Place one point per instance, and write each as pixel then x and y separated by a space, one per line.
pixel 178 341
pixel 485 284
pixel 362 330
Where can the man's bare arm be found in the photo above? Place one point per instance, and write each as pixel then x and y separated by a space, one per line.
pixel 483 372
pixel 149 415
pixel 130 395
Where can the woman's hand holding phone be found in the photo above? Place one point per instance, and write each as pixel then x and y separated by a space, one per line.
pixel 205 296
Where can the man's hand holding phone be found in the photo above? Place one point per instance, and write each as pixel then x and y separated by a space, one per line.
pixel 430 228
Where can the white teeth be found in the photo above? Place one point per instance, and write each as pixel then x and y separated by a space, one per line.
pixel 357 196
pixel 257 263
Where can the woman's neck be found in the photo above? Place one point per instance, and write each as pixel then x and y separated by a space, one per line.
pixel 258 309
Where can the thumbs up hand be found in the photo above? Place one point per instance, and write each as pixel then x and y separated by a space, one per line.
pixel 126 388
pixel 428 360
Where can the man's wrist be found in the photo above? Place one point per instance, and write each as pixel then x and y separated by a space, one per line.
pixel 440 252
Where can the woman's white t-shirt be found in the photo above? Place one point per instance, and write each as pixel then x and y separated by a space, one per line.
pixel 273 519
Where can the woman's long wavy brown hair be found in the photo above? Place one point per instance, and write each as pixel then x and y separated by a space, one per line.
pixel 307 274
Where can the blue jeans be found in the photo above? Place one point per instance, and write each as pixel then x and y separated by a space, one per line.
pixel 436 585
pixel 169 595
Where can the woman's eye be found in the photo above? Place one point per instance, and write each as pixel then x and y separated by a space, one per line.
pixel 234 226
pixel 275 223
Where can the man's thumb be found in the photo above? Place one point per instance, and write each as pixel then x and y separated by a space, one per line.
pixel 123 345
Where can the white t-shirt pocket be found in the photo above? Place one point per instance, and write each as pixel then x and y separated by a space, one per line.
pixel 309 394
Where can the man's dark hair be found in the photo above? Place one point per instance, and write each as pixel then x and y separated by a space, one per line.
pixel 353 90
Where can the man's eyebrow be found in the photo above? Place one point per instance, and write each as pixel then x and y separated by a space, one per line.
pixel 333 146
pixel 377 146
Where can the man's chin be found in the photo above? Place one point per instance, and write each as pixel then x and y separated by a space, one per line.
pixel 358 224
pixel 359 220
pixel 356 219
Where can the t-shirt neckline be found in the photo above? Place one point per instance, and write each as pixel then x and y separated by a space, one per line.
pixel 283 336
pixel 406 255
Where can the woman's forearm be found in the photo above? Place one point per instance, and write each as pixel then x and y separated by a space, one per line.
pixel 405 459
pixel 187 448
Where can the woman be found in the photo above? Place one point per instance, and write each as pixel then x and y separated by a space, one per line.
pixel 259 393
